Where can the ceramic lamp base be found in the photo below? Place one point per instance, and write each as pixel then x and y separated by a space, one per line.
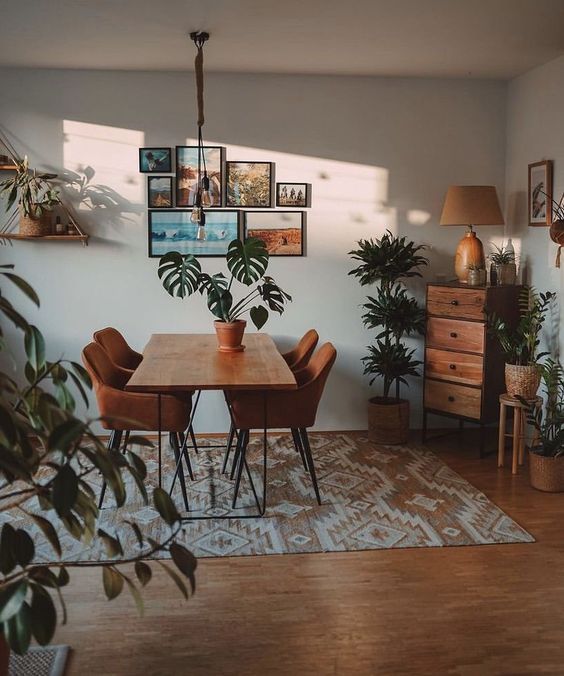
pixel 468 252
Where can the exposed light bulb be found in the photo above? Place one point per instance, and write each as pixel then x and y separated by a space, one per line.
pixel 196 214
pixel 205 191
pixel 201 235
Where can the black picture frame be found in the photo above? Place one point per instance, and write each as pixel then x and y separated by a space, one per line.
pixel 164 167
pixel 181 202
pixel 152 179
pixel 305 202
pixel 229 202
pixel 153 213
pixel 275 215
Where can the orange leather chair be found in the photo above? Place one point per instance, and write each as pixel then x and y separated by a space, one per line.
pixel 293 409
pixel 117 348
pixel 298 357
pixel 123 411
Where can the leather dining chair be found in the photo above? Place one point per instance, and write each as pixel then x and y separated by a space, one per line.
pixel 117 348
pixel 293 409
pixel 123 411
pixel 298 357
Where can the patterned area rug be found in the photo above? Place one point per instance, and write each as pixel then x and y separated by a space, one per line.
pixel 374 497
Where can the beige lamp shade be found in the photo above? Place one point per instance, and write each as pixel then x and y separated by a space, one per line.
pixel 471 205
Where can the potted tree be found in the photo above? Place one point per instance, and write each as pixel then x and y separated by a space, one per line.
pixel 47 456
pixel 520 343
pixel 546 456
pixel 504 260
pixel 247 263
pixel 35 197
pixel 388 261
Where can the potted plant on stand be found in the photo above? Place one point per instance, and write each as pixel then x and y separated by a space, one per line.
pixel 388 261
pixel 247 263
pixel 503 258
pixel 546 456
pixel 520 343
pixel 35 196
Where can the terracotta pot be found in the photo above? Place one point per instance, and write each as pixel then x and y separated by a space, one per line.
pixel 507 274
pixel 522 381
pixel 35 227
pixel 4 655
pixel 230 335
pixel 388 420
pixel 546 472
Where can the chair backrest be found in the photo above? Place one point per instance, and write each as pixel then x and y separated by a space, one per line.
pixel 117 348
pixel 299 357
pixel 314 376
pixel 102 369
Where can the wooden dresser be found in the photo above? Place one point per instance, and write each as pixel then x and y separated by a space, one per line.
pixel 464 365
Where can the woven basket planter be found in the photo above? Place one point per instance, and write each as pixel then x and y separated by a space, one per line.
pixel 35 227
pixel 388 420
pixel 546 473
pixel 507 274
pixel 522 381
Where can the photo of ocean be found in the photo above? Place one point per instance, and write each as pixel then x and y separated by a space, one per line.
pixel 173 231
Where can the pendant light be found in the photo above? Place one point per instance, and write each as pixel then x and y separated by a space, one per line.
pixel 202 197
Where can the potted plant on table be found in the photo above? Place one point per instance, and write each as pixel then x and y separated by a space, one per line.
pixel 476 275
pixel 520 343
pixel 35 197
pixel 47 459
pixel 504 260
pixel 247 262
pixel 546 456
pixel 388 261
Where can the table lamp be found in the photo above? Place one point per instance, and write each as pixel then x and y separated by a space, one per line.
pixel 470 205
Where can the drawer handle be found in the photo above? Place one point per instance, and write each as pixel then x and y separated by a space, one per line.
pixel 450 398
pixel 454 302
pixel 454 334
pixel 452 366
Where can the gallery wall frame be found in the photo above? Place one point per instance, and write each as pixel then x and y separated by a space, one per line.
pixel 539 194
pixel 186 174
pixel 293 194
pixel 283 232
pixel 160 192
pixel 249 185
pixel 155 160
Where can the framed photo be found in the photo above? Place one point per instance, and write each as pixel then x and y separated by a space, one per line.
pixel 154 160
pixel 249 184
pixel 159 192
pixel 187 173
pixel 281 231
pixel 540 193
pixel 172 230
pixel 293 194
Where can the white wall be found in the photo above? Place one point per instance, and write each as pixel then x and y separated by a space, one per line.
pixel 379 153
pixel 534 132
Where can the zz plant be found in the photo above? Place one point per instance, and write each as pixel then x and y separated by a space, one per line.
pixel 48 456
pixel 388 261
pixel 247 263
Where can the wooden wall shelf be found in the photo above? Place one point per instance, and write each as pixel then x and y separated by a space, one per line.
pixel 52 238
pixel 8 167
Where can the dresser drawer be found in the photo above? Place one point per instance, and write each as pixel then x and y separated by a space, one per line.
pixel 455 366
pixel 457 399
pixel 455 302
pixel 455 334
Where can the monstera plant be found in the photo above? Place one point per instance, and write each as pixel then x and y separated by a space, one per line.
pixel 48 457
pixel 247 263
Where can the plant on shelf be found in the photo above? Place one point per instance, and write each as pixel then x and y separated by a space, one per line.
pixel 546 458
pixel 35 195
pixel 520 342
pixel 476 274
pixel 503 258
pixel 247 262
pixel 48 457
pixel 388 261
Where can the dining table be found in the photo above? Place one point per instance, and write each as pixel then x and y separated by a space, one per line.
pixel 188 364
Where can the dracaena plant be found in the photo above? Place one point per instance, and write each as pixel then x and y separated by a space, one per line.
pixel 388 261
pixel 32 190
pixel 247 263
pixel 48 457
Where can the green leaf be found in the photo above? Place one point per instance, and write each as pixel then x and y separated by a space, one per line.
pixel 24 550
pixel 175 578
pixel 179 274
pixel 165 506
pixel 22 285
pixel 219 298
pixel 137 531
pixel 64 577
pixel 81 373
pixel 112 544
pixel 43 616
pixel 113 582
pixel 48 531
pixel 143 572
pixel 247 261
pixel 65 435
pixel 11 599
pixel 185 561
pixel 35 348
pixel 259 316
pixel 273 295
pixel 18 630
pixel 65 490
pixel 7 549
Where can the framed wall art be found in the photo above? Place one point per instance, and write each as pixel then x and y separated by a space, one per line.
pixel 293 194
pixel 540 193
pixel 155 160
pixel 159 192
pixel 187 174
pixel 282 231
pixel 249 184
pixel 172 230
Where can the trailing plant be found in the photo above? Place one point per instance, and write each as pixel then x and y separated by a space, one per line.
pixel 32 190
pixel 549 424
pixel 247 262
pixel 388 261
pixel 48 457
pixel 520 343
pixel 502 255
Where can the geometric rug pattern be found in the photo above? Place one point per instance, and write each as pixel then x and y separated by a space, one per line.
pixel 374 497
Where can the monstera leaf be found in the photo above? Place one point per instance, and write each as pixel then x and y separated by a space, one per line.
pixel 179 274
pixel 247 261
pixel 220 299
pixel 259 316
pixel 273 295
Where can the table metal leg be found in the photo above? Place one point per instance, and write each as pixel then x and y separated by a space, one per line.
pixel 160 443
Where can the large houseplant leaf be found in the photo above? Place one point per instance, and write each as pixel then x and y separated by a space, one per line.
pixel 220 299
pixel 273 295
pixel 179 274
pixel 247 261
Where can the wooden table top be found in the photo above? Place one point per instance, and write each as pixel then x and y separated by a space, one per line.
pixel 180 362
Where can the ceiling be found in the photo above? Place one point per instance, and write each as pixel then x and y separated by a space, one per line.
pixel 452 38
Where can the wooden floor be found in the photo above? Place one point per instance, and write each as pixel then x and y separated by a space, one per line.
pixel 495 609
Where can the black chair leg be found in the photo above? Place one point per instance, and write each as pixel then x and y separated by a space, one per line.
pixel 193 437
pixel 299 447
pixel 309 458
pixel 241 453
pixel 186 455
pixel 125 442
pixel 236 456
pixel 113 444
pixel 174 442
pixel 229 446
